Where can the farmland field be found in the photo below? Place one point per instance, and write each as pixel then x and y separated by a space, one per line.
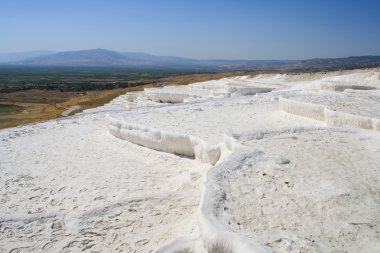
pixel 6 109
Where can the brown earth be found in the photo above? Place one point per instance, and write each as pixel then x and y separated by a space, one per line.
pixel 41 105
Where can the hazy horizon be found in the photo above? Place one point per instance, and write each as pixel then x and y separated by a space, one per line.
pixel 259 30
pixel 47 52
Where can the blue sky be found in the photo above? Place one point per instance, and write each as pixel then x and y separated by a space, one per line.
pixel 234 29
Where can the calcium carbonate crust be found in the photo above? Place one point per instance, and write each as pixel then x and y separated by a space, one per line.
pixel 212 231
pixel 331 117
pixel 225 155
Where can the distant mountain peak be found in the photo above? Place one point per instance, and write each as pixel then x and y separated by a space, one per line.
pixel 100 57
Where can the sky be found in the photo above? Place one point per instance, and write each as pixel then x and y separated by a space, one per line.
pixel 213 29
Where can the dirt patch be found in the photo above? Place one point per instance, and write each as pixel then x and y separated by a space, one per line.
pixel 41 105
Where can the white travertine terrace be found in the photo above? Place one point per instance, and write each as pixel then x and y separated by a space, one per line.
pixel 223 88
pixel 271 163
pixel 342 86
pixel 317 193
pixel 358 110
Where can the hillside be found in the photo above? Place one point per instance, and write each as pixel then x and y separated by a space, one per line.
pixel 108 58
pixel 351 62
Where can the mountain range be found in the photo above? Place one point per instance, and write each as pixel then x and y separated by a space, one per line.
pixel 107 58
